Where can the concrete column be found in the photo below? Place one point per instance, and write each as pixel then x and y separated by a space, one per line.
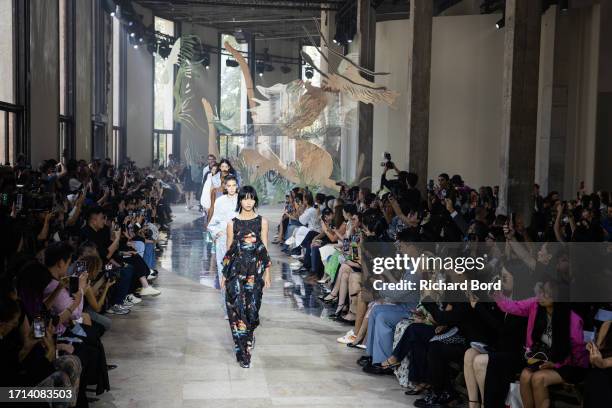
pixel 603 132
pixel 366 26
pixel 419 76
pixel 553 101
pixel 520 106
pixel 328 28
pixel 44 80
pixel 83 79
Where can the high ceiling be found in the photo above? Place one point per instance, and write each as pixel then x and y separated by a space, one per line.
pixel 284 19
pixel 263 18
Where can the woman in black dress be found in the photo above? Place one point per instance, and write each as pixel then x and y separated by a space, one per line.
pixel 246 272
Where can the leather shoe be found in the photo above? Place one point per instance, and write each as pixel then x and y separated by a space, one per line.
pixel 377 369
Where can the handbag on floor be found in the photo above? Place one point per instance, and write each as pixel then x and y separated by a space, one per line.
pixel 513 399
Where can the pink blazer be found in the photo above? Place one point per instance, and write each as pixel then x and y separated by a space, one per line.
pixel 529 308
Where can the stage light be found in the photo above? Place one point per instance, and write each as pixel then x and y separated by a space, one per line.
pixel 350 40
pixel 132 34
pixel 501 22
pixel 309 72
pixel 130 23
pixel 141 39
pixel 260 67
pixel 231 63
pixel 135 46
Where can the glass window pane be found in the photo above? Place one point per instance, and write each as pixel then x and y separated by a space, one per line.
pixel 63 72
pixel 116 70
pixel 164 105
pixel 233 89
pixel 7 73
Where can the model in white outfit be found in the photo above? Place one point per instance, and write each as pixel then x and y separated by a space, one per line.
pixel 225 211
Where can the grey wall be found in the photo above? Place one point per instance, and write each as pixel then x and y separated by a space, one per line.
pixel 203 85
pixel 466 96
pixel 44 79
pixel 139 126
pixel 83 83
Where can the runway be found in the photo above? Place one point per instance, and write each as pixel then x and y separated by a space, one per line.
pixel 176 350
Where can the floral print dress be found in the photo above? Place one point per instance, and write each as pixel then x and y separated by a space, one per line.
pixel 243 268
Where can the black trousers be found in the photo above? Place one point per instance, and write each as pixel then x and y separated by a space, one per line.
pixel 414 344
pixel 502 369
pixel 140 269
pixel 438 356
pixel 598 388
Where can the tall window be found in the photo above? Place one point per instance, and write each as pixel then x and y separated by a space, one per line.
pixel 119 49
pixel 66 78
pixel 232 98
pixel 10 112
pixel 163 133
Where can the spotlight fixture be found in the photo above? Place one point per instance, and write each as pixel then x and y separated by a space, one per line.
pixel 231 63
pixel 260 67
pixel 132 34
pixel 308 72
pixel 501 22
pixel 163 50
pixel 206 60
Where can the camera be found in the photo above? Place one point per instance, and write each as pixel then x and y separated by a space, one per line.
pixel 387 161
pixel 111 273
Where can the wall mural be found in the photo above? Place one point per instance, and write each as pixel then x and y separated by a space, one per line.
pixel 297 127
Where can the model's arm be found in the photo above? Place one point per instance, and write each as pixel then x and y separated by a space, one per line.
pixel 264 238
pixel 230 234
pixel 264 232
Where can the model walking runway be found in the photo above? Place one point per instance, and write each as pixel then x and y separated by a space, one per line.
pixel 246 272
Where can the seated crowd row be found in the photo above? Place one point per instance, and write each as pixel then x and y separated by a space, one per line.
pixel 79 244
pixel 513 342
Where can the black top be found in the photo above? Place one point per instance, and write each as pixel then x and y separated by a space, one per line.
pixel 100 238
pixel 243 228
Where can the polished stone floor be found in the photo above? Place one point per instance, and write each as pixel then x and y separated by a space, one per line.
pixel 176 350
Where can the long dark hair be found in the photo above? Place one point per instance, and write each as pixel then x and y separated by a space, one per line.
pixel 231 168
pixel 244 193
pixel 560 320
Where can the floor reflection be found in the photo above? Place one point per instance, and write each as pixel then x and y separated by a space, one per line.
pixel 190 253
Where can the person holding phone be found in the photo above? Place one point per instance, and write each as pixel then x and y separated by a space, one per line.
pixel 554 342
pixel 246 272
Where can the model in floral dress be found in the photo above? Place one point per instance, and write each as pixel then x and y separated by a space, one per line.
pixel 246 273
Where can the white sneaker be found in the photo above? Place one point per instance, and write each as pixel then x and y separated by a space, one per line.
pixel 118 310
pixel 346 339
pixel 133 299
pixel 127 304
pixel 152 276
pixel 295 265
pixel 149 291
